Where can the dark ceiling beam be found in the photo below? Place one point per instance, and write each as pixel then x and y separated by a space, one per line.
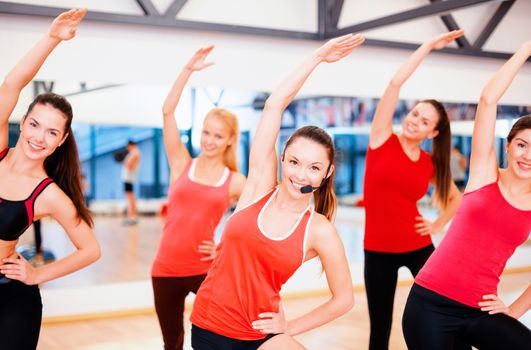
pixel 436 8
pixel 334 11
pixel 321 19
pixel 328 16
pixel 447 50
pixel 175 8
pixel 163 21
pixel 157 21
pixel 148 7
pixel 451 24
pixel 493 23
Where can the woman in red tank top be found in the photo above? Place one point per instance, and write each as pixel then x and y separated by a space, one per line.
pixel 201 190
pixel 397 175
pixel 455 293
pixel 273 231
pixel 39 177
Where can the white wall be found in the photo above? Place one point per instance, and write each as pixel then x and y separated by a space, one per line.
pixel 112 53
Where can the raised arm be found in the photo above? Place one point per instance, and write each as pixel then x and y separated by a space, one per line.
pixel 175 150
pixel 63 28
pixel 483 163
pixel 382 125
pixel 262 161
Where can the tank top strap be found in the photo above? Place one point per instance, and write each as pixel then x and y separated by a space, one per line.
pixel 186 170
pixel 40 187
pixel 225 178
pixel 3 154
pixel 30 202
pixel 306 223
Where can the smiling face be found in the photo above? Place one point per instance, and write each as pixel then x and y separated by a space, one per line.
pixel 42 130
pixel 420 123
pixel 519 154
pixel 305 162
pixel 216 136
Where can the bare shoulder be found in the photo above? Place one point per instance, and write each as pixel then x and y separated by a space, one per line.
pixel 321 227
pixel 53 200
pixel 323 238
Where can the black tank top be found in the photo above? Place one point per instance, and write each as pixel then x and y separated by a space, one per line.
pixel 17 216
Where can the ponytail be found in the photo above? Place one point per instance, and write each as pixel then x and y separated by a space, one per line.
pixel 325 199
pixel 441 149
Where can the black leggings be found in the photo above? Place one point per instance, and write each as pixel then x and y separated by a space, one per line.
pixel 432 321
pixel 381 275
pixel 170 293
pixel 203 339
pixel 20 316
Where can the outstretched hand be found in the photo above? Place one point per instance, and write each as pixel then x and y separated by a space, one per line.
pixel 443 40
pixel 65 25
pixel 197 62
pixel 337 48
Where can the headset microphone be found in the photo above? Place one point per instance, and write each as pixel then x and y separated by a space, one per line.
pixel 308 189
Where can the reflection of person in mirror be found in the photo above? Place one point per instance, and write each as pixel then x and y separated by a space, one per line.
pixel 201 190
pixel 40 178
pixel 458 164
pixel 129 173
pixel 85 187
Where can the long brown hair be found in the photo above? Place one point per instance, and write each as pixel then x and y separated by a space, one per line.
pixel 63 164
pixel 230 119
pixel 441 149
pixel 520 125
pixel 325 197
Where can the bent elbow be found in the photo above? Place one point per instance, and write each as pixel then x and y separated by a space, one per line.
pixel 95 254
pixel 349 303
pixel 345 304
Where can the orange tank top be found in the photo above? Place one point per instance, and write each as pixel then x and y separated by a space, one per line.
pixel 194 211
pixel 248 272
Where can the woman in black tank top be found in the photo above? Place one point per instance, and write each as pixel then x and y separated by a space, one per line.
pixel 40 177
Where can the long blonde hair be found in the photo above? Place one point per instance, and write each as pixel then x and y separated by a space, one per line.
pixel 230 119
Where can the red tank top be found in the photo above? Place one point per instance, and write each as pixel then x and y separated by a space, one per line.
pixel 248 273
pixel 194 211
pixel 393 184
pixel 470 259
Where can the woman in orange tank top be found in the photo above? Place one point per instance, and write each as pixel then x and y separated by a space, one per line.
pixel 255 242
pixel 201 190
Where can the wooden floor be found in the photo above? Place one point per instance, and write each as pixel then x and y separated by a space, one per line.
pixel 128 252
pixel 142 332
